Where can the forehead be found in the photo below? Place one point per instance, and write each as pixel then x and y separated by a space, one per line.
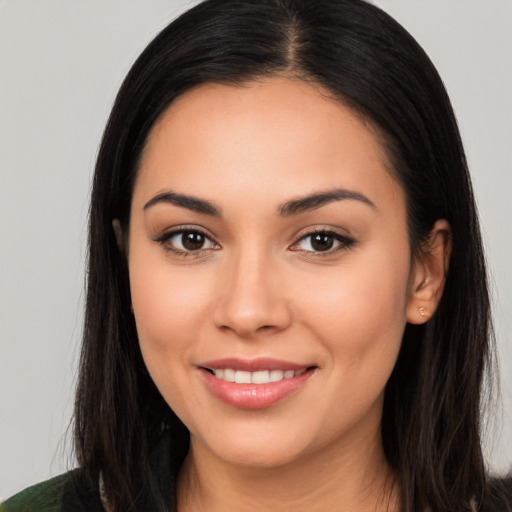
pixel 272 137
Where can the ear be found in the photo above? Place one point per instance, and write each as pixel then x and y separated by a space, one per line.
pixel 118 232
pixel 428 274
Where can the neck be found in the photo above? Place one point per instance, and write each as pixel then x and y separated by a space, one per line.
pixel 345 479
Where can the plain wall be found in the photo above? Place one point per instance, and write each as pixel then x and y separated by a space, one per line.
pixel 61 64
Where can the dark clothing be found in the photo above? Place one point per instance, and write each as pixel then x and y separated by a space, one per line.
pixel 54 495
pixel 70 492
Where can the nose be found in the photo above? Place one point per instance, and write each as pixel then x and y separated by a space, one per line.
pixel 253 299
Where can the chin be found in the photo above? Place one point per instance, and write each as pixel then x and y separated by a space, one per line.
pixel 257 457
pixel 258 449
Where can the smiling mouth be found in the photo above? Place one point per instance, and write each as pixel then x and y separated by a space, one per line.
pixel 257 377
pixel 255 384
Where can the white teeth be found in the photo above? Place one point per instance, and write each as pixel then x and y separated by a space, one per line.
pixel 276 375
pixel 229 375
pixel 259 377
pixel 242 377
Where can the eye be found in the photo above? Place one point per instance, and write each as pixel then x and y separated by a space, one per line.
pixel 322 242
pixel 185 241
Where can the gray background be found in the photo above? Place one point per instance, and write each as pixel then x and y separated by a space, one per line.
pixel 61 63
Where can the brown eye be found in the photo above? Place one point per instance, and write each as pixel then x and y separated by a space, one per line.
pixel 323 242
pixel 187 241
pixel 192 240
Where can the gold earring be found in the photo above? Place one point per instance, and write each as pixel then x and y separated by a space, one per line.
pixel 421 309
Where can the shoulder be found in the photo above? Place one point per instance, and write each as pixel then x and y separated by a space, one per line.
pixel 63 493
pixel 45 496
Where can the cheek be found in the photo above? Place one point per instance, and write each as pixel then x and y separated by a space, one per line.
pixel 169 315
pixel 360 322
pixel 360 313
pixel 170 309
pixel 165 297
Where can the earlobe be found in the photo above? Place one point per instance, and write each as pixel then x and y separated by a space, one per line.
pixel 429 274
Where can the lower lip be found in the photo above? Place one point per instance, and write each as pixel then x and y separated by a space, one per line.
pixel 254 396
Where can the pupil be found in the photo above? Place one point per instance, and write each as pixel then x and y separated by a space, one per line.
pixel 322 242
pixel 192 241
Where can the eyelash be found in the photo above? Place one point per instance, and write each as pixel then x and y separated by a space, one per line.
pixel 164 240
pixel 344 242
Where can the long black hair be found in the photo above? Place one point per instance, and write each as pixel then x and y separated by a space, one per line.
pixel 433 408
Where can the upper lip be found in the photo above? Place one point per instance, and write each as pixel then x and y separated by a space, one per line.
pixel 252 365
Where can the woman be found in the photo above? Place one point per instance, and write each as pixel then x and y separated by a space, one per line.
pixel 287 302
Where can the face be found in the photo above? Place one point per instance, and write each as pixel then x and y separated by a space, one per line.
pixel 269 269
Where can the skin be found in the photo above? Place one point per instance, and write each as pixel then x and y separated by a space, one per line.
pixel 257 289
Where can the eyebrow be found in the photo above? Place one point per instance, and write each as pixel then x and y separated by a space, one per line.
pixel 194 204
pixel 292 207
pixel 319 199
